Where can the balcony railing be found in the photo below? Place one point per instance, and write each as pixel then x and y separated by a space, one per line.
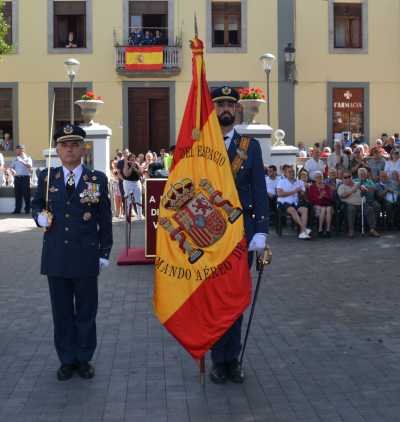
pixel 172 63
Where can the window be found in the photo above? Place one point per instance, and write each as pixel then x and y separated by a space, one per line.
pixel 6 120
pixel 148 22
pixel 348 25
pixel 348 112
pixel 226 24
pixel 7 13
pixel 62 106
pixel 69 24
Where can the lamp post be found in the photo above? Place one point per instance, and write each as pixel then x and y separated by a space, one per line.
pixel 266 60
pixel 72 66
pixel 290 57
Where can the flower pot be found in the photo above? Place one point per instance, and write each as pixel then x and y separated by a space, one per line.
pixel 250 109
pixel 89 109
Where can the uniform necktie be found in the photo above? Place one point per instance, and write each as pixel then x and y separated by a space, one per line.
pixel 70 186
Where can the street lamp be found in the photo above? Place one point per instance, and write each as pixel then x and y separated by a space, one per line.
pixel 266 60
pixel 72 66
pixel 290 58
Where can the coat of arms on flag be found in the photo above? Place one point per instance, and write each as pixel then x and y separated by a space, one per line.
pixel 202 279
pixel 197 215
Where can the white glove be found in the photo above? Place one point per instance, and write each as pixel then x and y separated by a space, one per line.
pixel 103 263
pixel 43 220
pixel 258 242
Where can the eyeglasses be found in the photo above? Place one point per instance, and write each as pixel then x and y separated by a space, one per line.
pixel 346 177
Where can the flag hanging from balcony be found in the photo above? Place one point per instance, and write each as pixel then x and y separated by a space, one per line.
pixel 202 280
pixel 144 58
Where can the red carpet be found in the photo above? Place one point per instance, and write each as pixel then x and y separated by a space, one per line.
pixel 135 256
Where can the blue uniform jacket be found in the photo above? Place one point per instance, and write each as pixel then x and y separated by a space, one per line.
pixel 250 184
pixel 80 233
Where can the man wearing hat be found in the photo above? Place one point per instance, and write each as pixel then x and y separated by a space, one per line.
pixel 76 245
pixel 21 167
pixel 248 170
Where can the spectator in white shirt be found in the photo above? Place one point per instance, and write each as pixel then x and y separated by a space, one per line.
pixel 1 169
pixel 272 182
pixel 338 160
pixel 314 164
pixel 394 163
pixel 288 190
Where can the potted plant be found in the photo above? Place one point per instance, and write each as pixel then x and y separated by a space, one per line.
pixel 250 100
pixel 89 104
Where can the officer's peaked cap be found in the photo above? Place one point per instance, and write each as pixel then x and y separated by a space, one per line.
pixel 69 133
pixel 225 93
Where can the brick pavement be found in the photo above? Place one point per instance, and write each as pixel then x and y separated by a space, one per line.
pixel 325 344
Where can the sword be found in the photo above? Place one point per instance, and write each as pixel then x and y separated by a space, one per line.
pixel 263 259
pixel 46 210
pixel 48 155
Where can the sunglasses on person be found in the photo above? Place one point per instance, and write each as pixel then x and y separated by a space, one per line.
pixel 346 177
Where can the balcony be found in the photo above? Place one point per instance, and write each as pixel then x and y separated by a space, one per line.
pixel 171 62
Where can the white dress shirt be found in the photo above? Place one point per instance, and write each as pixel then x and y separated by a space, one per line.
pixel 77 174
pixel 271 185
pixel 312 166
pixel 392 166
pixel 287 186
pixel 228 138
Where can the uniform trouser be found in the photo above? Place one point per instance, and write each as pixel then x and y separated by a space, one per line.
pixel 370 211
pixel 74 307
pixel 228 347
pixel 22 189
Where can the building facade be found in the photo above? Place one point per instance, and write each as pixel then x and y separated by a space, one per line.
pixel 135 54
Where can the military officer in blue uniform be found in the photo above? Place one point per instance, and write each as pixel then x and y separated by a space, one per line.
pixel 248 170
pixel 76 245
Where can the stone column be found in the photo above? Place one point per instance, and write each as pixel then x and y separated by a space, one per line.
pixel 99 136
pixel 262 133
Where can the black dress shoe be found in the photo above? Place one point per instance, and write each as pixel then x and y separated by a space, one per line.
pixel 65 372
pixel 218 373
pixel 86 370
pixel 235 372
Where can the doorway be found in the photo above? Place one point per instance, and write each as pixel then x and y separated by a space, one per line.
pixel 148 119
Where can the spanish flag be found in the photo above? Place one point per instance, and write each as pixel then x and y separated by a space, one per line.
pixel 144 58
pixel 202 279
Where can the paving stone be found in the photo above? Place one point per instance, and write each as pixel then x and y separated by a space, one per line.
pixel 324 344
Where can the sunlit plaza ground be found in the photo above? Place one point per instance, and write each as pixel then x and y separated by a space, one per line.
pixel 325 344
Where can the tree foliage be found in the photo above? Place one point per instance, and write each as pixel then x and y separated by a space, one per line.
pixel 4 47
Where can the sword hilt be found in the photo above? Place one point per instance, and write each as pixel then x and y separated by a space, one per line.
pixel 264 258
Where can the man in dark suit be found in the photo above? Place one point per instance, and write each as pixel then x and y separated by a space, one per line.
pixel 76 245
pixel 248 169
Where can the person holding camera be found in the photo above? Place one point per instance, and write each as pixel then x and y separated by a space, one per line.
pixel 351 193
pixel 132 185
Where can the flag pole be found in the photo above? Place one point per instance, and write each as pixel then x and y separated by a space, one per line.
pixel 262 260
pixel 202 366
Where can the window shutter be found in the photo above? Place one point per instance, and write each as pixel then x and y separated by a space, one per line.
pixel 148 8
pixel 70 8
pixel 5 104
pixel 62 104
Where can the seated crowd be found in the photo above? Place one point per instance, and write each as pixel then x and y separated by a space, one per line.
pixel 357 183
